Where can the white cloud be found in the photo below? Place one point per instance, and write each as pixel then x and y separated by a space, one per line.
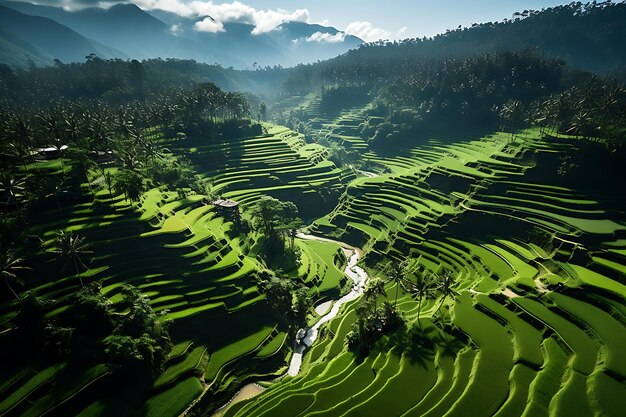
pixel 327 37
pixel 176 29
pixel 209 25
pixel 174 6
pixel 402 32
pixel 263 20
pixel 367 31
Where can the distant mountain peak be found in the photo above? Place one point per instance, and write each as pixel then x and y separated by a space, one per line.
pixel 141 34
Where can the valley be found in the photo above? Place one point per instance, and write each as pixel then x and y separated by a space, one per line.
pixel 425 227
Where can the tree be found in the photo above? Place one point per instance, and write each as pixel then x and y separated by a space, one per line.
pixel 14 189
pixel 397 272
pixel 288 299
pixel 446 287
pixel 262 111
pixel 92 311
pixel 21 137
pixel 59 188
pixel 423 288
pixel 129 183
pixel 270 216
pixel 10 267
pixel 375 288
pixel 71 248
pixel 141 338
pixel 513 113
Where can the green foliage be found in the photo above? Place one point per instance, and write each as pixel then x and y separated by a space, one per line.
pixel 275 218
pixel 288 298
pixel 71 248
pixel 129 183
pixel 373 321
pixel 141 339
pixel 92 312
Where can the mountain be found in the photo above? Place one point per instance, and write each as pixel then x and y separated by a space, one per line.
pixel 18 52
pixel 586 36
pixel 140 35
pixel 40 40
pixel 286 45
pixel 124 26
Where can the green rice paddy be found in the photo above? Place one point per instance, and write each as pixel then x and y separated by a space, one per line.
pixel 537 327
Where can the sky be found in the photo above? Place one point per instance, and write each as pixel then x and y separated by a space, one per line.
pixel 368 19
pixel 407 18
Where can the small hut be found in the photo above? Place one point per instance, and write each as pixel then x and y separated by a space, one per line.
pixel 229 209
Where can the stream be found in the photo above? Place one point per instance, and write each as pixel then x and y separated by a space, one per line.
pixel 306 337
pixel 359 279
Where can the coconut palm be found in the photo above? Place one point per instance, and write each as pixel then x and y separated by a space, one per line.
pixel 21 137
pixel 10 268
pixel 423 288
pixel 71 248
pixel 446 287
pixel 397 272
pixel 513 113
pixel 60 188
pixel 14 189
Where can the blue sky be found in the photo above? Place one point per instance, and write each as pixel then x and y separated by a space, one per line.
pixel 419 17
pixel 368 19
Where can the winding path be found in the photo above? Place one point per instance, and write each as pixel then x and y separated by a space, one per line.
pixel 359 278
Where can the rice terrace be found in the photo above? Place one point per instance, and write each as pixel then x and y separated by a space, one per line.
pixel 228 209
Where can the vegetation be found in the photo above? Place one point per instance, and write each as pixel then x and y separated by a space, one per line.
pixel 156 248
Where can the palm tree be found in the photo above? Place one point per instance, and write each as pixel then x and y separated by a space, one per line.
pixel 11 266
pixel 513 113
pixel 60 187
pixel 397 271
pixel 71 247
pixel 446 287
pixel 580 124
pixel 13 188
pixel 22 137
pixel 424 287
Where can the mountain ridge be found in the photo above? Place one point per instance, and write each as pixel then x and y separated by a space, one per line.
pixel 127 31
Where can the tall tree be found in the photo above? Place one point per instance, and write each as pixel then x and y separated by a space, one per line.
pixel 397 272
pixel 10 268
pixel 423 288
pixel 71 248
pixel 446 287
pixel 129 183
pixel 13 189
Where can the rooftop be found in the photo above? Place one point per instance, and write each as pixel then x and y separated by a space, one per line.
pixel 225 203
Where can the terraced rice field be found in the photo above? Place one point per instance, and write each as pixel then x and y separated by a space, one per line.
pixel 536 328
pixel 195 269
pixel 279 164
pixel 538 321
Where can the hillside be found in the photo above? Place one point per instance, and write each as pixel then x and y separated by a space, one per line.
pixel 586 36
pixel 18 52
pixel 48 36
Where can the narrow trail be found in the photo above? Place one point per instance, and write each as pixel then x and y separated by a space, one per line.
pixel 308 336
pixel 359 278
